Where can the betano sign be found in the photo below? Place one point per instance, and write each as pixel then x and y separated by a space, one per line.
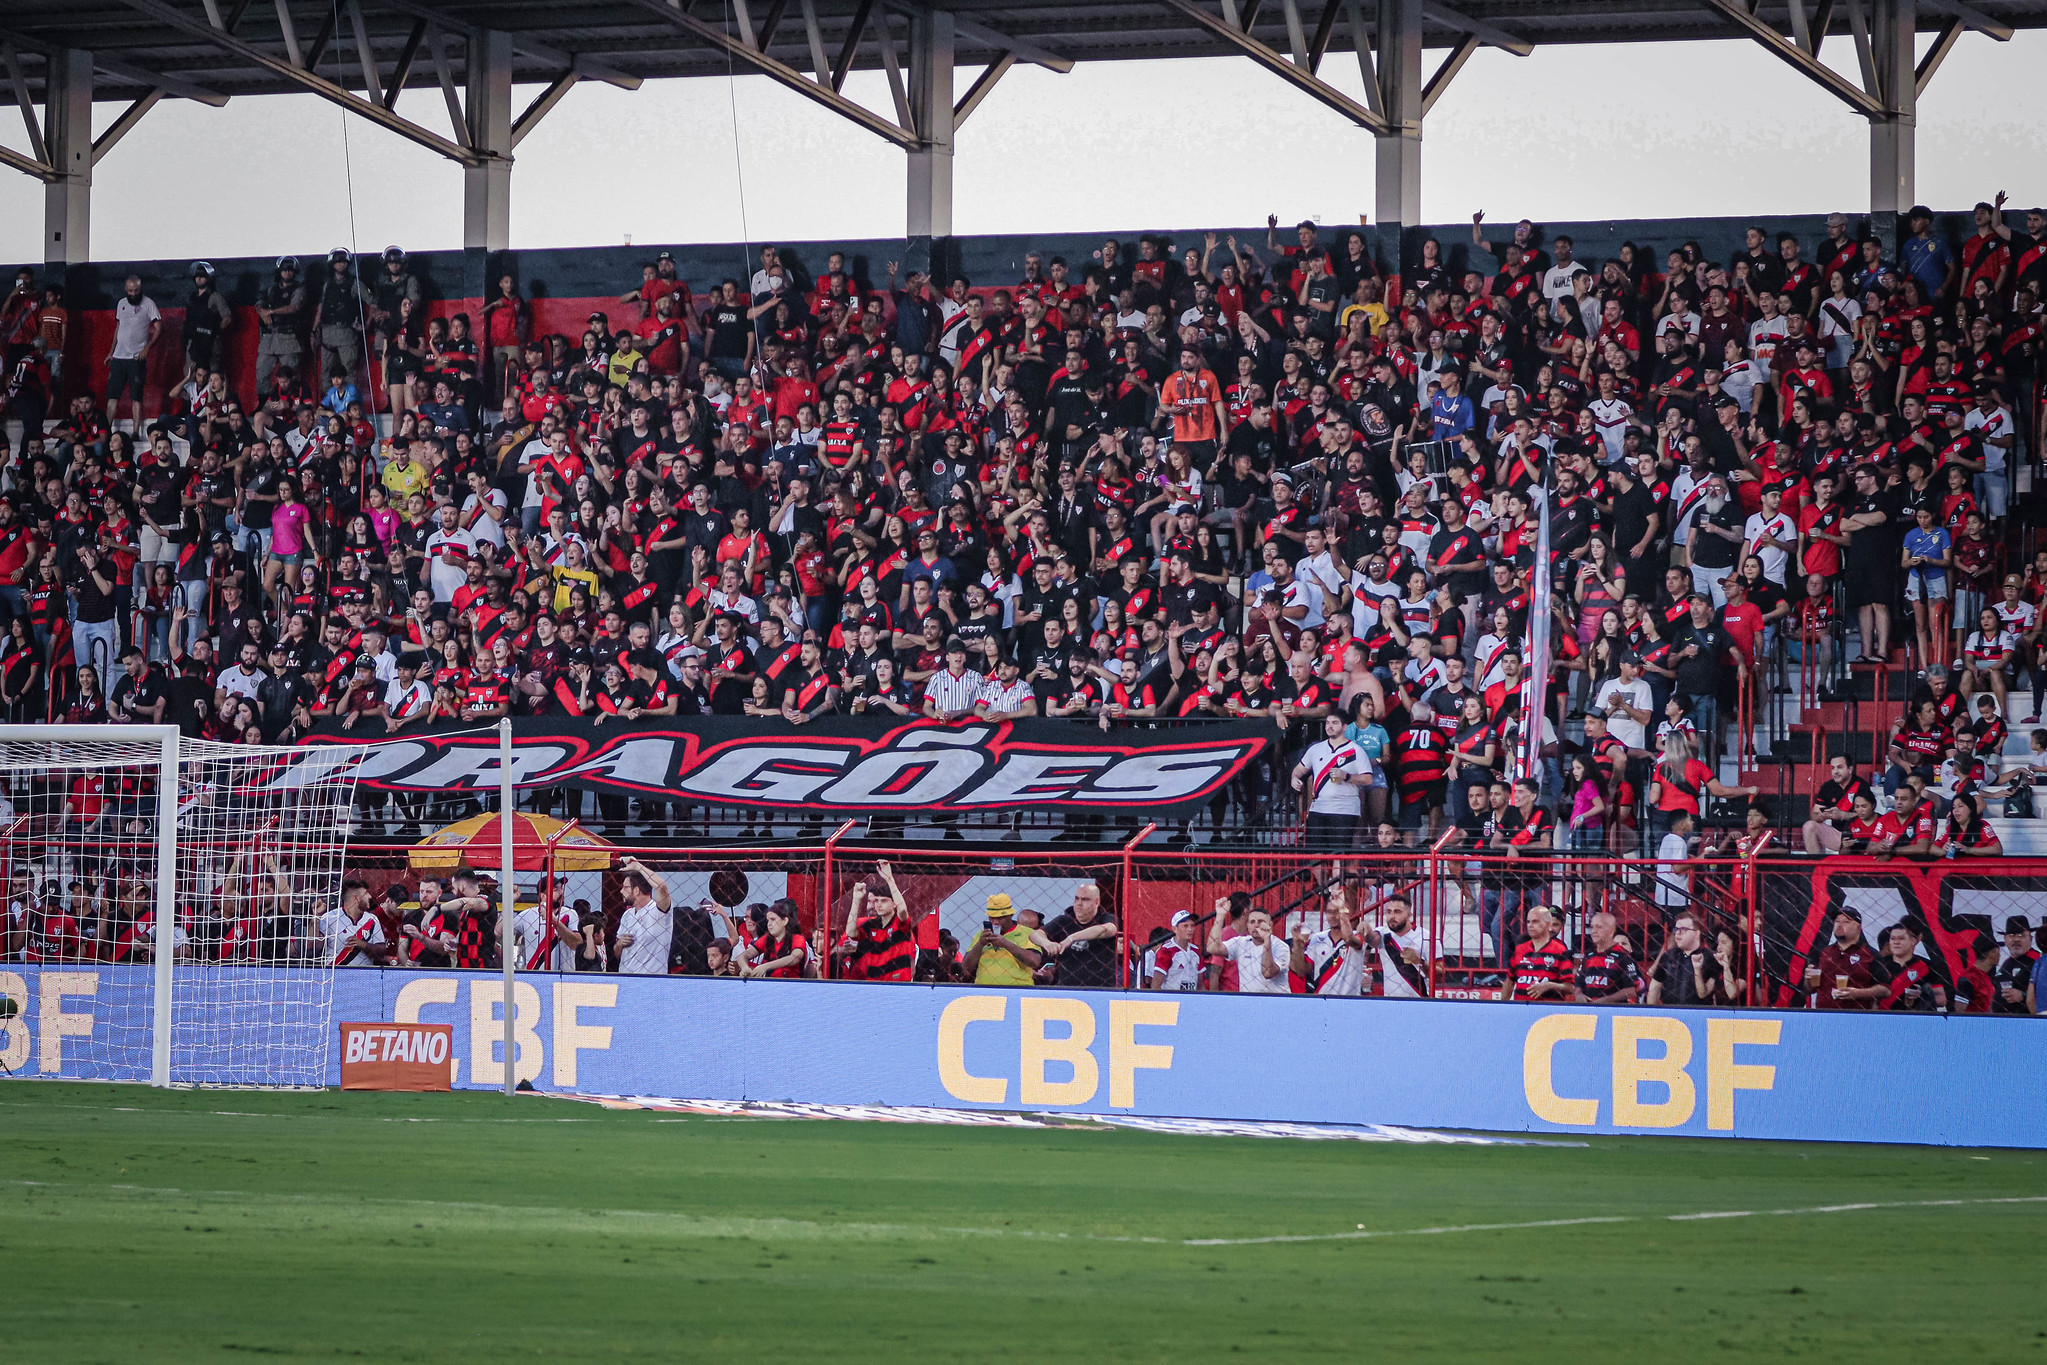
pixel 1430 1064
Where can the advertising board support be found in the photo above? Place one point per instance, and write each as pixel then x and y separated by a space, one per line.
pixel 827 898
pixel 1124 898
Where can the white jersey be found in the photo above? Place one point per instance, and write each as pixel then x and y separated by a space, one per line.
pixel 651 928
pixel 1394 970
pixel 527 934
pixel 1490 658
pixel 448 554
pixel 406 702
pixel 1996 422
pixel 1764 334
pixel 1327 764
pixel 2018 617
pixel 1334 966
pixel 1779 528
pixel 1249 958
pixel 1610 420
pixel 1687 496
pixel 343 939
pixel 1373 592
pixel 1180 965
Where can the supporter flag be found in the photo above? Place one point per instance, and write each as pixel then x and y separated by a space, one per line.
pixel 1535 678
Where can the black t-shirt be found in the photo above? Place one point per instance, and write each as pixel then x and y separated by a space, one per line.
pixel 1718 552
pixel 137 695
pixel 729 329
pixel 1461 546
pixel 1699 674
pixel 1674 970
pixel 2014 972
pixel 1185 601
pixel 1876 547
pixel 1632 509
pixel 1833 795
pixel 1091 963
pixel 1053 657
pixel 1262 446
pixel 95 605
pixel 1764 595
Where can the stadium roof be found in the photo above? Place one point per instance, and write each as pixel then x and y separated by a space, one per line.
pixel 63 54
pixel 651 39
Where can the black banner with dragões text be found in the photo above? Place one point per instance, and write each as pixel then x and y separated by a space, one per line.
pixel 834 765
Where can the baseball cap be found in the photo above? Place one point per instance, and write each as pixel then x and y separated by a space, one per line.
pixel 999 906
pixel 1181 917
pixel 1850 911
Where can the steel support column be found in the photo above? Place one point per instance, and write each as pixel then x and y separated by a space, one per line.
pixel 1892 149
pixel 929 227
pixel 487 189
pixel 1399 198
pixel 67 132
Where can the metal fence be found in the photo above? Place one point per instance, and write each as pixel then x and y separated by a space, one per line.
pixel 1767 918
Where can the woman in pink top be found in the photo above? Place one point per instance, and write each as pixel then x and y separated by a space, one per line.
pixel 289 545
pixel 384 518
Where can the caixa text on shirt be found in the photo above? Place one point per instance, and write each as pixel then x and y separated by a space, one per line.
pixel 829 765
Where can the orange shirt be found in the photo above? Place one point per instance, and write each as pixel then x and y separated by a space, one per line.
pixel 1196 423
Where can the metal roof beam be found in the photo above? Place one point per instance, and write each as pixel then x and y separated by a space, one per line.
pixel 12 59
pixel 971 101
pixel 321 39
pixel 1447 72
pixel 1489 34
pixel 782 73
pixel 1935 55
pixel 118 129
pixel 185 22
pixel 177 87
pixel 589 68
pixel 1851 94
pixel 542 104
pixel 407 55
pixel 1023 49
pixel 855 31
pixel 1973 18
pixel 28 165
pixel 1276 63
pixel 1325 28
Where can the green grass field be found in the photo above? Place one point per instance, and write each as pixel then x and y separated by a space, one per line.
pixel 150 1226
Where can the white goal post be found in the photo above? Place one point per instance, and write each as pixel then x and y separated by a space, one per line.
pixel 179 886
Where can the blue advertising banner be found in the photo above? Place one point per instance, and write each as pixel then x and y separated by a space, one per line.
pixel 1793 1075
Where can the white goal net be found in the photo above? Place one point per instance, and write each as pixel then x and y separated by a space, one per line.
pixel 240 850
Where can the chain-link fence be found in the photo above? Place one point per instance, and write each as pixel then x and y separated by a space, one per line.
pixel 1765 921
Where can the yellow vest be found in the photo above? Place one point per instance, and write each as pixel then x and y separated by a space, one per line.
pixel 998 968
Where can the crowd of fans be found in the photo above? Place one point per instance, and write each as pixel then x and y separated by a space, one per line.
pixel 1260 480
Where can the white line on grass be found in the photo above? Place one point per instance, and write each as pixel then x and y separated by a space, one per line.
pixel 1363 1233
pixel 684 1224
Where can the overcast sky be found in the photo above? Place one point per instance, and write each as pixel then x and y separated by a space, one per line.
pixel 1569 133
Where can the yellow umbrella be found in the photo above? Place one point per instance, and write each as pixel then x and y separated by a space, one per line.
pixel 476 841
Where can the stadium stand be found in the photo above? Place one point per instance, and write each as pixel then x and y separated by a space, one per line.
pixel 1268 475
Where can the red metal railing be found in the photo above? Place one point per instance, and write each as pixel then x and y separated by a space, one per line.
pixel 1774 908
